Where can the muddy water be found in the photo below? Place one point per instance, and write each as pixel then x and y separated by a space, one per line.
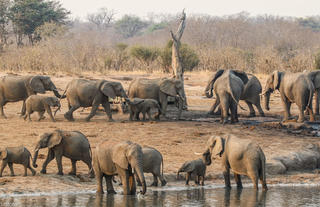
pixel 183 196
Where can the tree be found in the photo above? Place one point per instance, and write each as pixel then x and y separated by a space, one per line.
pixel 4 21
pixel 146 55
pixel 129 26
pixel 28 15
pixel 102 19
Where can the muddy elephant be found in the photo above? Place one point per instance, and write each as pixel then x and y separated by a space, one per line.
pixel 242 156
pixel 228 88
pixel 315 79
pixel 71 144
pixel 91 93
pixel 251 92
pixel 19 88
pixel 152 162
pixel 294 88
pixel 197 168
pixel 119 158
pixel 16 155
pixel 41 104
pixel 144 106
pixel 159 90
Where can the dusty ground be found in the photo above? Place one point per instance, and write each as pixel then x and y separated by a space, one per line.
pixel 176 140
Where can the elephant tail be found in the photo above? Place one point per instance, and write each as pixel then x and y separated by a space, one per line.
pixel 311 90
pixel 162 166
pixel 263 167
pixel 232 95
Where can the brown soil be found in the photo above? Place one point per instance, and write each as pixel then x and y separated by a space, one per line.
pixel 176 140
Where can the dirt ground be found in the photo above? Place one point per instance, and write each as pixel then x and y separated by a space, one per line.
pixel 176 140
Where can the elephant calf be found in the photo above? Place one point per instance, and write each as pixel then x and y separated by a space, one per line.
pixel 17 155
pixel 197 168
pixel 137 105
pixel 41 104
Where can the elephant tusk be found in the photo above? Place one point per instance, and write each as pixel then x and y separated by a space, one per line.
pixel 197 153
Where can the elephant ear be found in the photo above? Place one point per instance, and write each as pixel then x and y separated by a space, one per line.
pixel 50 101
pixel 217 146
pixel 3 154
pixel 276 80
pixel 167 86
pixel 242 75
pixel 55 139
pixel 119 155
pixel 108 89
pixel 37 85
pixel 136 101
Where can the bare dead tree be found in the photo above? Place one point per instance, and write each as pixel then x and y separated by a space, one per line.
pixel 102 19
pixel 176 60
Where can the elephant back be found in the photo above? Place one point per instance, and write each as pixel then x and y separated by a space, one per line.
pixel 144 88
pixel 151 158
pixel 252 89
pixel 16 154
pixel 14 87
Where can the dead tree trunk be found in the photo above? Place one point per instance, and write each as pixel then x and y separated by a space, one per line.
pixel 176 60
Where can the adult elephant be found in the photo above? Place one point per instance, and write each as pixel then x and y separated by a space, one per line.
pixel 71 144
pixel 242 156
pixel 251 92
pixel 158 89
pixel 294 88
pixel 86 93
pixel 119 158
pixel 19 88
pixel 315 79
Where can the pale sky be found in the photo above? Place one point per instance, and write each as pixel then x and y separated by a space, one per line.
pixel 298 8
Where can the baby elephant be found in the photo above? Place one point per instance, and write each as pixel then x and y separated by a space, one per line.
pixel 137 105
pixel 17 155
pixel 41 104
pixel 197 168
pixel 152 161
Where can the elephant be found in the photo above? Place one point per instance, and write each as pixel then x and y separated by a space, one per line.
pixel 315 79
pixel 251 92
pixel 159 90
pixel 86 93
pixel 197 168
pixel 112 158
pixel 152 161
pixel 71 144
pixel 228 89
pixel 19 88
pixel 242 156
pixel 137 105
pixel 17 155
pixel 41 104
pixel 294 88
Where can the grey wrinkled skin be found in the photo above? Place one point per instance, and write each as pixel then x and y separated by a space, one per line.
pixel 16 155
pixel 125 158
pixel 196 168
pixel 19 88
pixel 159 90
pixel 250 94
pixel 144 106
pixel 294 88
pixel 41 104
pixel 70 144
pixel 152 161
pixel 91 93
pixel 242 156
pixel 314 76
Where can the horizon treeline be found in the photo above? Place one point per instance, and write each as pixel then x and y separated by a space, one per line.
pixel 38 35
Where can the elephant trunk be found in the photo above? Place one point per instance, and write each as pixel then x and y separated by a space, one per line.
pixel 209 89
pixel 35 156
pixel 139 171
pixel 267 100
pixel 56 93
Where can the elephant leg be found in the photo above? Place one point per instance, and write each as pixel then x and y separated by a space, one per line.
pixel 197 179
pixel 131 115
pixel 23 109
pixel 263 182
pixel 164 104
pixel 155 180
pixel 226 174
pixel 137 115
pixel 251 109
pixel 109 184
pixel 88 162
pixel 32 170
pixel 224 109
pixel 93 111
pixel 74 167
pixel 259 109
pixel 214 106
pixel 237 177
pixel 202 180
pixel 49 112
pixel 106 106
pixel 149 115
pixel 143 116
pixel 58 155
pixel 128 182
pixel 254 178
pixel 188 176
pixel 3 165
pixel 11 168
pixel 69 114
pixel 25 170
pixel 317 97
pixel 301 114
pixel 49 158
pixel 99 177
pixel 40 113
pixel 160 176
pixel 286 105
pixel 234 112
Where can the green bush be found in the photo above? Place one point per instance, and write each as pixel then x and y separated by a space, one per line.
pixel 145 55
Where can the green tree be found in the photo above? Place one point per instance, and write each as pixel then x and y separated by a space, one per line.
pixel 189 58
pixel 129 26
pixel 145 55
pixel 4 21
pixel 28 15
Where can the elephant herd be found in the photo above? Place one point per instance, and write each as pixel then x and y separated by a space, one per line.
pixel 129 160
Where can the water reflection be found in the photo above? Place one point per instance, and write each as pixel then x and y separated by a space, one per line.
pixel 277 196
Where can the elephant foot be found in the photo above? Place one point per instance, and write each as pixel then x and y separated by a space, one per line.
pixel 154 184
pixel 265 188
pixel 60 173
pixel 99 192
pixel 163 183
pixel 24 175
pixel 68 117
pixel 33 173
pixel 87 119
pixel 43 171
pixel 111 192
pixel 239 187
pixel 300 120
pixel 3 117
pixel 252 115
pixel 228 187
pixel 72 173
pixel 12 175
pixel 111 120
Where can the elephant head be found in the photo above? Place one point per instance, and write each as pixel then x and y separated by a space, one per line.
pixel 41 84
pixel 49 140
pixel 215 148
pixel 53 101
pixel 129 156
pixel 113 89
pixel 272 84
pixel 3 154
pixel 172 87
pixel 208 91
